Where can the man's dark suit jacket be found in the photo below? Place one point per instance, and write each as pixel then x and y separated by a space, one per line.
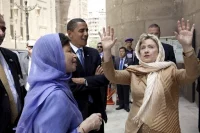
pixel 127 63
pixel 5 111
pixel 169 54
pixel 81 92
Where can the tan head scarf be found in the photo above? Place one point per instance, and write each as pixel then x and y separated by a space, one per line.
pixel 154 88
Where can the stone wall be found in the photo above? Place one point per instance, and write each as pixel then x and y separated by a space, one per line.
pixel 191 11
pixel 131 18
pixel 39 24
pixel 62 7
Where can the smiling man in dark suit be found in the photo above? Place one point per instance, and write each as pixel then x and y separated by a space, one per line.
pixel 169 51
pixel 12 91
pixel 85 84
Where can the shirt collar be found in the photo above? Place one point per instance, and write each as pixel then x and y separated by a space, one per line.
pixel 75 48
pixel 123 58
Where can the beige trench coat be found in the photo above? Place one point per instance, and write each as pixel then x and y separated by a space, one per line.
pixel 167 118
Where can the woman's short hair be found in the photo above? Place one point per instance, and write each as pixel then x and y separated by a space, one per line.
pixel 64 39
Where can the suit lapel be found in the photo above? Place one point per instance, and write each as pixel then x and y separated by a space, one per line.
pixel 125 62
pixel 87 59
pixel 13 68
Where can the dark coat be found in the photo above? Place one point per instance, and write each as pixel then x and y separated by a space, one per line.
pixel 5 111
pixel 127 63
pixel 81 92
pixel 169 54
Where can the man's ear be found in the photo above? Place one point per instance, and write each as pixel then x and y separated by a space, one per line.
pixel 69 32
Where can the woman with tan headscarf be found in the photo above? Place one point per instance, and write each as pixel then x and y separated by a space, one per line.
pixel 155 82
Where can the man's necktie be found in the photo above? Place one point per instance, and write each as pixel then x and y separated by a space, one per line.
pixel 81 58
pixel 13 106
pixel 121 64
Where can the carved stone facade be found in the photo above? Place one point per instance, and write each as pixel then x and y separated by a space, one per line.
pixel 40 23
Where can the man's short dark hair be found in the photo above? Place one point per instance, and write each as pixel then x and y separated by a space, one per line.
pixel 99 43
pixel 71 25
pixel 122 48
pixel 154 26
pixel 64 39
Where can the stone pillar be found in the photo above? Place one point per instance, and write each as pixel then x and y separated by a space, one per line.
pixel 62 7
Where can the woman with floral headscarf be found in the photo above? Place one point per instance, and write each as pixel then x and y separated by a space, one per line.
pixel 49 105
pixel 154 82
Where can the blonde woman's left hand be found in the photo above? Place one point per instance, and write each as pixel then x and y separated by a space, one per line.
pixel 185 34
pixel 99 70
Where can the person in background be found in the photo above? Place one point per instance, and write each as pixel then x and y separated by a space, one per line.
pixel 100 49
pixel 130 54
pixel 154 83
pixel 121 63
pixel 25 62
pixel 12 91
pixel 49 105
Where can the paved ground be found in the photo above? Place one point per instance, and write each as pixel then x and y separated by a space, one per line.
pixel 188 118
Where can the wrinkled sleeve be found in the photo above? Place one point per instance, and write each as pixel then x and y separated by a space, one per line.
pixel 116 76
pixel 55 115
pixel 191 71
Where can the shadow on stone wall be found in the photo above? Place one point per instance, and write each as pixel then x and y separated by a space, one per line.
pixel 61 14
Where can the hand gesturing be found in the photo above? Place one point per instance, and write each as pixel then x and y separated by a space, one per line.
pixel 185 33
pixel 107 38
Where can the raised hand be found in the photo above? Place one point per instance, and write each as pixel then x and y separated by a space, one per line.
pixel 107 38
pixel 185 34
